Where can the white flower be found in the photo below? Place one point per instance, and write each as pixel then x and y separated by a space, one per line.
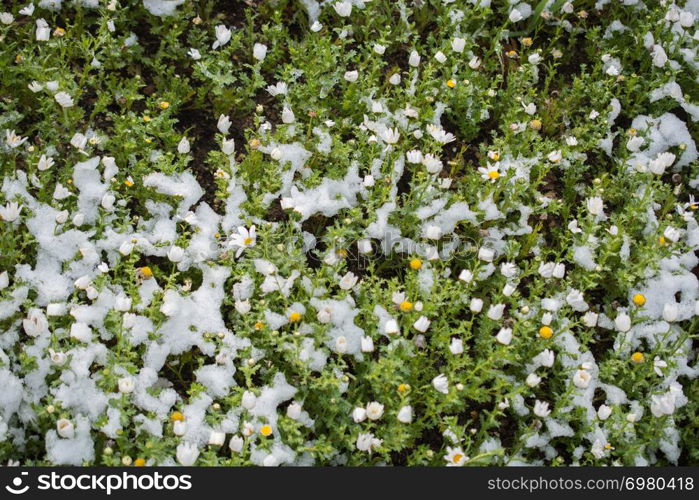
pixel 476 305
pixel 82 282
pixel 466 276
pixel 187 454
pixel 217 438
pixel 533 380
pixel 35 86
pixel 122 303
pixel 245 238
pixel 515 16
pixel 530 108
pixel 43 32
pixel 183 147
pixel 495 311
pixel 288 115
pixel 432 163
pixel 367 344
pixel 65 428
pixel 414 156
pixel 27 10
pixel 559 271
pixel 57 358
pixel 541 409
pixel 35 323
pixel 456 346
pixel 441 383
pixel 379 49
pixel 316 27
pixel 243 306
pixel 405 414
pixel 658 365
pixel 44 163
pixel 595 205
pixel 236 444
pixel 394 79
pixel 390 135
pixel 554 156
pixel 343 9
pixel 440 57
pixel 422 324
pixel 374 410
pixel 194 54
pixel 439 134
pixel 576 300
pixel 179 427
pixel 391 327
pixel 474 62
pixel 293 411
pixel 458 44
pixel 13 140
pixel 126 385
pixel 223 36
pixel 6 18
pixel 248 400
pixel 603 412
pixel 351 76
pixel 670 312
pixel 270 461
pixel 582 379
pixel 508 269
pixel 672 233
pixel 359 414
pixel 367 442
pixel 534 58
pixel 455 457
pixel 64 99
pixel 659 56
pixel 590 319
pixel 546 358
pixel 78 141
pixel 259 51
pixel 223 124
pixel 414 59
pixel 486 254
pixel 175 254
pixel 341 344
pixel 4 280
pixel 10 212
pixel 622 322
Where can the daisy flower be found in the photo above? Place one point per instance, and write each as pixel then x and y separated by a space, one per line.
pixel 245 238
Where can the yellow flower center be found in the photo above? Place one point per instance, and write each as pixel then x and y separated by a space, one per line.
pixel 266 430
pixel 535 124
pixel 259 325
pixel 637 357
pixel 146 118
pixel 451 84
pixel 639 299
pixel 403 387
pixel 457 458
pixel 247 241
pixel 146 272
pixel 128 182
pixel 164 105
pixel 493 174
pixel 405 306
pixel 176 416
pixel 294 317
pixel 415 264
pixel 139 462
pixel 545 332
